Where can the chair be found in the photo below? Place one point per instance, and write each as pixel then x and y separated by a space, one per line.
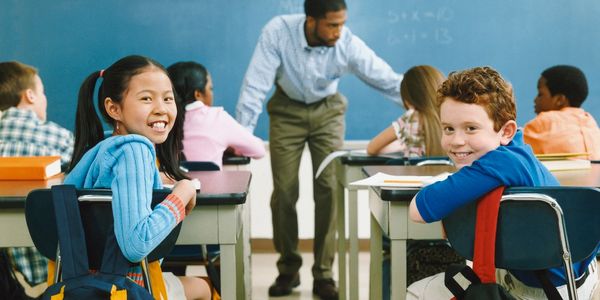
pixel 565 228
pixel 97 219
pixel 420 161
pixel 199 166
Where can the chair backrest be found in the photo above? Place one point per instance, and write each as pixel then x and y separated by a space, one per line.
pixel 420 161
pixel 97 218
pixel 199 166
pixel 528 233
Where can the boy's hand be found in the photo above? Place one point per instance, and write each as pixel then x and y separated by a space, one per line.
pixel 186 191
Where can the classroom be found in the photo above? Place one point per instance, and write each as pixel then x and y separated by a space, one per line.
pixel 65 40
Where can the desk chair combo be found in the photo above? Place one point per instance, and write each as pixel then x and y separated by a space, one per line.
pixel 538 228
pixel 183 255
pixel 90 230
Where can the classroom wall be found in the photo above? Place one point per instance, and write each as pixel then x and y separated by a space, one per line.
pixel 68 39
pixel 261 188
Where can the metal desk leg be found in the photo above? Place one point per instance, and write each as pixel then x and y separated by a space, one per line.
pixel 353 232
pixel 341 237
pixel 398 270
pixel 228 272
pixel 246 250
pixel 376 260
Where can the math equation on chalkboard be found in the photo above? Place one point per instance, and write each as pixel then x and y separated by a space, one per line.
pixel 420 26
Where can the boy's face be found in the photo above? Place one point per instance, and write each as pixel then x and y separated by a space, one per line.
pixel 544 101
pixel 468 132
pixel 41 103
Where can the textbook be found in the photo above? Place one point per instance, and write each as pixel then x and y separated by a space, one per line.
pixel 29 167
pixel 561 156
pixel 567 164
pixel 392 181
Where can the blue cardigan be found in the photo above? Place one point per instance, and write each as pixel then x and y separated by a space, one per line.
pixel 127 165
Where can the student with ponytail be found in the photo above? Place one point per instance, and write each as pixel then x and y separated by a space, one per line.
pixel 136 99
pixel 418 130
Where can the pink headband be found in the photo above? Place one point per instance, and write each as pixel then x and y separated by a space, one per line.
pixel 101 72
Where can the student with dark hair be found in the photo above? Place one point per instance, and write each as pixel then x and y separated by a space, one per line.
pixel 562 126
pixel 24 131
pixel 136 98
pixel 208 131
pixel 304 56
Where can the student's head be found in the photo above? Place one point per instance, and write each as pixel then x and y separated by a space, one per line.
pixel 324 21
pixel 192 82
pixel 418 91
pixel 135 97
pixel 559 87
pixel 477 112
pixel 22 87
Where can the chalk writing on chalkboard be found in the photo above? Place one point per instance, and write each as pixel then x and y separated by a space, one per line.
pixel 415 26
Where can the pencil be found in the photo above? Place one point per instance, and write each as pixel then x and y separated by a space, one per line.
pixel 401 181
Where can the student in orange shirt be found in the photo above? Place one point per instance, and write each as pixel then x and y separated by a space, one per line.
pixel 561 125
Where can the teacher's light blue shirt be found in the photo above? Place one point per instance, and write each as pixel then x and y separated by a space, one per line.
pixel 305 73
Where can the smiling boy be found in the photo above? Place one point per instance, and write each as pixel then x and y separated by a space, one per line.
pixel 477 113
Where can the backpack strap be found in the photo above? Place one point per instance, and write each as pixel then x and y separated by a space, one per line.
pixel 113 260
pixel 71 237
pixel 484 252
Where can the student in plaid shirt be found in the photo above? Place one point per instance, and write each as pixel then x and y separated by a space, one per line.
pixel 24 131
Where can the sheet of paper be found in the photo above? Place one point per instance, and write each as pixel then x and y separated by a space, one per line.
pixel 385 180
pixel 195 182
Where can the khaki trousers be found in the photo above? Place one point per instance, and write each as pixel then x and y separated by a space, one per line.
pixel 292 125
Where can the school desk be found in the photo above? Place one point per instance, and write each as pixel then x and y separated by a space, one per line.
pixel 389 215
pixel 217 219
pixel 242 163
pixel 348 170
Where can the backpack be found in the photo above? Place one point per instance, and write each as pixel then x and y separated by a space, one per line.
pixel 9 285
pixel 110 281
pixel 428 257
pixel 483 274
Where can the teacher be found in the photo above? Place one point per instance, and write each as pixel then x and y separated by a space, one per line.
pixel 304 56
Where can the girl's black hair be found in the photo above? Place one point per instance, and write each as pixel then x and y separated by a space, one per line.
pixel 116 78
pixel 188 77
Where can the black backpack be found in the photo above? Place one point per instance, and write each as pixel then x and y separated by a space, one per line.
pixel 110 281
pixel 10 288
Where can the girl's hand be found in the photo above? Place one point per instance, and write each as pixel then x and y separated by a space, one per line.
pixel 186 191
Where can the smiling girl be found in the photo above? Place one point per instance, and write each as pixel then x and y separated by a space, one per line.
pixel 136 99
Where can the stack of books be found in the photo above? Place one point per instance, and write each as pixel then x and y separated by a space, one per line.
pixel 564 161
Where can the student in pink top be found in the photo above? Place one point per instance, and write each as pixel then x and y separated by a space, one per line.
pixel 561 125
pixel 208 131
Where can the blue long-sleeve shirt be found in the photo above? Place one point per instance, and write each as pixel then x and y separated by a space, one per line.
pixel 127 165
pixel 510 165
pixel 308 74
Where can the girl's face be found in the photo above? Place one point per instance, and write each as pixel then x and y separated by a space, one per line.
pixel 148 107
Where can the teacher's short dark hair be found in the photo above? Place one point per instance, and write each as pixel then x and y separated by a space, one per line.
pixel 319 8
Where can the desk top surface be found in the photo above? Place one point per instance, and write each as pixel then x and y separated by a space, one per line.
pixel 587 177
pixel 218 187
